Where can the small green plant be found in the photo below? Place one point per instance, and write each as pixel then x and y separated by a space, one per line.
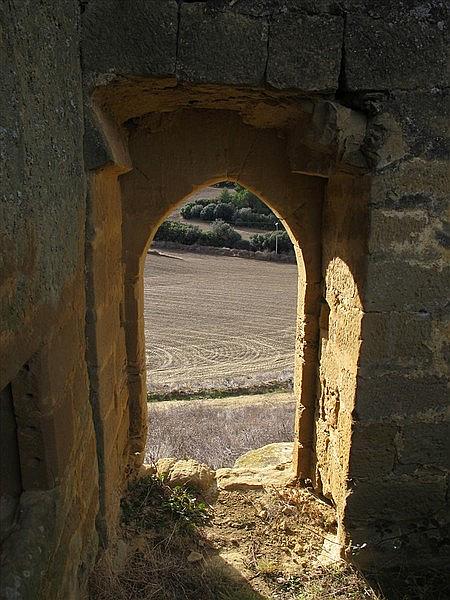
pixel 267 567
pixel 140 504
pixel 150 503
pixel 184 506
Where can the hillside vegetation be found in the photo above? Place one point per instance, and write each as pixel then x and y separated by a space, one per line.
pixel 230 209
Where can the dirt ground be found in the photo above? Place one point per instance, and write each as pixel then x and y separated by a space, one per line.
pixel 255 545
pixel 213 321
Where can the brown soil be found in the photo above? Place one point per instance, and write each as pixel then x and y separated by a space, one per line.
pixel 269 537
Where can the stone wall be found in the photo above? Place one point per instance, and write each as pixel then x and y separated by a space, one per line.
pixel 335 114
pixel 49 504
pixel 400 454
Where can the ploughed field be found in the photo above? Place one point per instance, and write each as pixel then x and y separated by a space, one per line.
pixel 214 322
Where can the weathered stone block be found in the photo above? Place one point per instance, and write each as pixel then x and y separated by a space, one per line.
pixel 384 142
pixel 330 138
pixel 254 8
pixel 372 452
pixel 398 285
pixel 404 52
pixel 397 231
pixel 133 38
pixel 423 117
pixel 413 185
pixel 27 551
pixel 385 499
pixel 426 444
pixel 305 52
pixel 267 8
pixel 103 141
pixel 220 47
pixel 434 11
pixel 395 340
pixel 399 396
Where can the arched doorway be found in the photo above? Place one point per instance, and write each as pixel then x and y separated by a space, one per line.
pixel 220 318
pixel 174 154
pixel 265 171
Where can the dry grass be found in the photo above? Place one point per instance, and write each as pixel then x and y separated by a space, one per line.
pixel 158 545
pixel 217 432
pixel 215 322
pixel 256 545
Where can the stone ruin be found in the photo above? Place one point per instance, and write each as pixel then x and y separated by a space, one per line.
pixel 335 113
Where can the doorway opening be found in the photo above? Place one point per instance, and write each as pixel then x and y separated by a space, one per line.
pixel 220 306
pixel 176 155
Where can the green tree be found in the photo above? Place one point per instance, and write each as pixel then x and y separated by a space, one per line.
pixel 220 235
pixel 225 196
pixel 224 211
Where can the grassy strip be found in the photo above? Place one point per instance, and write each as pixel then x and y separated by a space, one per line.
pixel 263 388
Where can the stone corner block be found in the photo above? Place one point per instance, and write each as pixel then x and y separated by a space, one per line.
pixel 305 52
pixel 220 47
pixel 330 141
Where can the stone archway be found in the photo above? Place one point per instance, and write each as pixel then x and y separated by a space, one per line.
pixel 190 148
pixel 78 77
pixel 173 154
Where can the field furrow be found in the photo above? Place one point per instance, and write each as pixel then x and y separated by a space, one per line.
pixel 213 321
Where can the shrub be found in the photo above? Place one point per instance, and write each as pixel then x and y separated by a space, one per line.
pixel 202 201
pixel 243 216
pixel 195 211
pixel 246 217
pixel 192 210
pixel 224 211
pixel 244 198
pixel 171 231
pixel 242 208
pixel 208 212
pixel 185 210
pixel 226 196
pixel 222 235
pixel 243 245
pixel 267 242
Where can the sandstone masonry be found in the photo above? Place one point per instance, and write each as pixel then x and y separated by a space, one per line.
pixel 336 114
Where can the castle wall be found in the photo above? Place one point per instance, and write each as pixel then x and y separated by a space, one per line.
pixel 333 113
pixel 49 497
